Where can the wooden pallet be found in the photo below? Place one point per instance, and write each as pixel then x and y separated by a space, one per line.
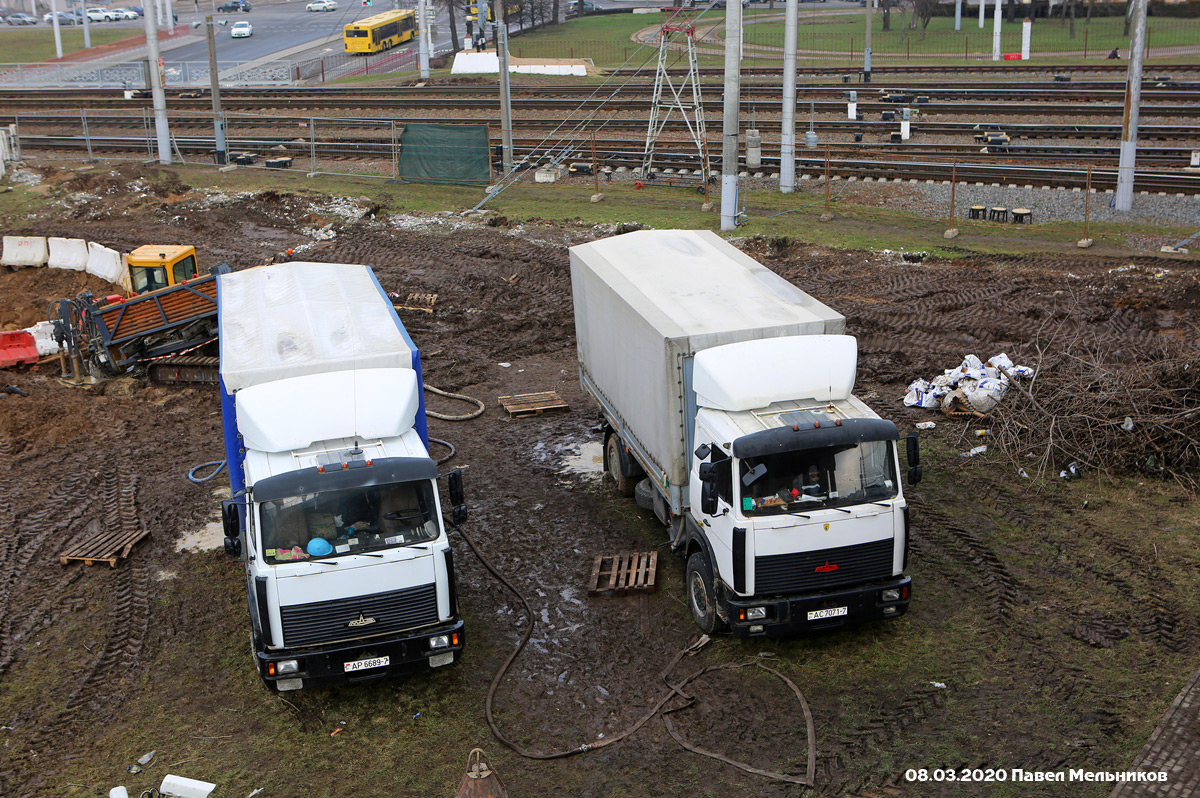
pixel 104 547
pixel 617 574
pixel 532 404
pixel 423 302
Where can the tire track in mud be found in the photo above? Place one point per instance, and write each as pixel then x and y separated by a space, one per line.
pixel 102 681
pixel 1155 615
pixel 29 587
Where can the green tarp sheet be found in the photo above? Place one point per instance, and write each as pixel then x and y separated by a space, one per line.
pixel 445 154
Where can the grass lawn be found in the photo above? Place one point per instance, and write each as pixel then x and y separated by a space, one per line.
pixel 29 45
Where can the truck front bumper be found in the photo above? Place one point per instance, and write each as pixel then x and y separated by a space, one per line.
pixel 785 615
pixel 326 666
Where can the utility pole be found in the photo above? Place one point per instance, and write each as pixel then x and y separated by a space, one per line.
pixel 1123 198
pixel 161 129
pixel 787 139
pixel 867 45
pixel 423 40
pixel 730 122
pixel 214 81
pixel 958 14
pixel 57 29
pixel 501 38
pixel 996 33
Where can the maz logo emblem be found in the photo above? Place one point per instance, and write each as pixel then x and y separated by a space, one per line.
pixel 361 621
pixel 826 568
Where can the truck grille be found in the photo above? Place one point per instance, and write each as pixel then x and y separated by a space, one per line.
pixel 795 573
pixel 327 621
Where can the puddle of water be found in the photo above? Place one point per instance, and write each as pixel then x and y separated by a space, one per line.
pixel 212 536
pixel 588 461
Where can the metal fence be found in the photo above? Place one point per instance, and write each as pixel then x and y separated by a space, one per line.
pixel 133 74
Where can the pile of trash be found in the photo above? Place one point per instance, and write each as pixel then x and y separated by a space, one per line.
pixel 974 388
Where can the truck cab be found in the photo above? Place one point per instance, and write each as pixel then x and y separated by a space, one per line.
pixel 805 525
pixel 156 266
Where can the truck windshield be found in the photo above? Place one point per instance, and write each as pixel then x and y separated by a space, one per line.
pixel 812 479
pixel 336 523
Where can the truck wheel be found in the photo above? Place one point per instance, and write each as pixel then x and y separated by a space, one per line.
pixel 612 458
pixel 701 596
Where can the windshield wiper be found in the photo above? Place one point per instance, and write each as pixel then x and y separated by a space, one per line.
pixel 325 562
pixel 365 554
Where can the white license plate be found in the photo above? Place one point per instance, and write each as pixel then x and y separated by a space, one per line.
pixel 438 660
pixel 832 612
pixel 364 664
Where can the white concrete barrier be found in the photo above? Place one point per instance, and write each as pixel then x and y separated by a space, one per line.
pixel 67 253
pixel 22 251
pixel 43 337
pixel 106 264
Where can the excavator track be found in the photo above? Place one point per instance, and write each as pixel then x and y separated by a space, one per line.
pixel 185 368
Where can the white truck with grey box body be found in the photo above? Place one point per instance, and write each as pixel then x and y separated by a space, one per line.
pixel 729 390
pixel 336 511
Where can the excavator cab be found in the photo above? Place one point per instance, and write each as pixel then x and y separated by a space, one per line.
pixel 154 267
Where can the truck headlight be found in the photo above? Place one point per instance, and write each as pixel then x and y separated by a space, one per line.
pixel 891 594
pixel 283 666
pixel 440 641
pixel 752 614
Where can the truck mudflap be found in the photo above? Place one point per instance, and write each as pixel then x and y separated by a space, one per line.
pixel 770 616
pixel 338 664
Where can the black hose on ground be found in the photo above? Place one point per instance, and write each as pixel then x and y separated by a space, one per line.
pixel 675 690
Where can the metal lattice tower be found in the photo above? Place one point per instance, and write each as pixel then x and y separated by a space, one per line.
pixel 684 98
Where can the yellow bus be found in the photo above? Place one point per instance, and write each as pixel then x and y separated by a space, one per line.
pixel 380 32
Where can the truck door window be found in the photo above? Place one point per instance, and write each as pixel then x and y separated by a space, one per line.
pixel 148 278
pixel 810 479
pixel 183 270
pixel 348 522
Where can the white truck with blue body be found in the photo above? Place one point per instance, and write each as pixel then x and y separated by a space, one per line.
pixel 727 405
pixel 335 510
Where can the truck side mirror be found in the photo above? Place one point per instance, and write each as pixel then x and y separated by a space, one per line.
pixel 457 500
pixel 233 528
pixel 912 450
pixel 914 475
pixel 703 451
pixel 708 488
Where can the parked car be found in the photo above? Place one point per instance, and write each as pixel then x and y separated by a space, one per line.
pixel 64 18
pixel 125 13
pixel 137 10
pixel 321 5
pixel 21 19
pixel 724 4
pixel 100 15
pixel 241 30
pixel 585 7
pixel 234 5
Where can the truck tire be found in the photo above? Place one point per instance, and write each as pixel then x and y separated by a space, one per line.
pixel 643 494
pixel 612 459
pixel 701 595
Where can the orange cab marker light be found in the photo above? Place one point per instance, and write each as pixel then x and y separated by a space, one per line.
pixel 270 668
pixel 454 639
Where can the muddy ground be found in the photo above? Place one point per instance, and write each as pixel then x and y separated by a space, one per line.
pixel 93 660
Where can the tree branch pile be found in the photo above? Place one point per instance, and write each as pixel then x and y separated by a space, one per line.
pixel 1130 411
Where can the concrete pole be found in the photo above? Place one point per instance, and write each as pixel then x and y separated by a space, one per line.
pixel 57 28
pixel 730 123
pixel 996 33
pixel 1026 37
pixel 867 43
pixel 87 27
pixel 501 37
pixel 422 40
pixel 1133 97
pixel 982 6
pixel 161 130
pixel 787 140
pixel 214 81
pixel 958 14
pixel 169 19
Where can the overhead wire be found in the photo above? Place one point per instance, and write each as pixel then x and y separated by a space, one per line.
pixel 566 148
